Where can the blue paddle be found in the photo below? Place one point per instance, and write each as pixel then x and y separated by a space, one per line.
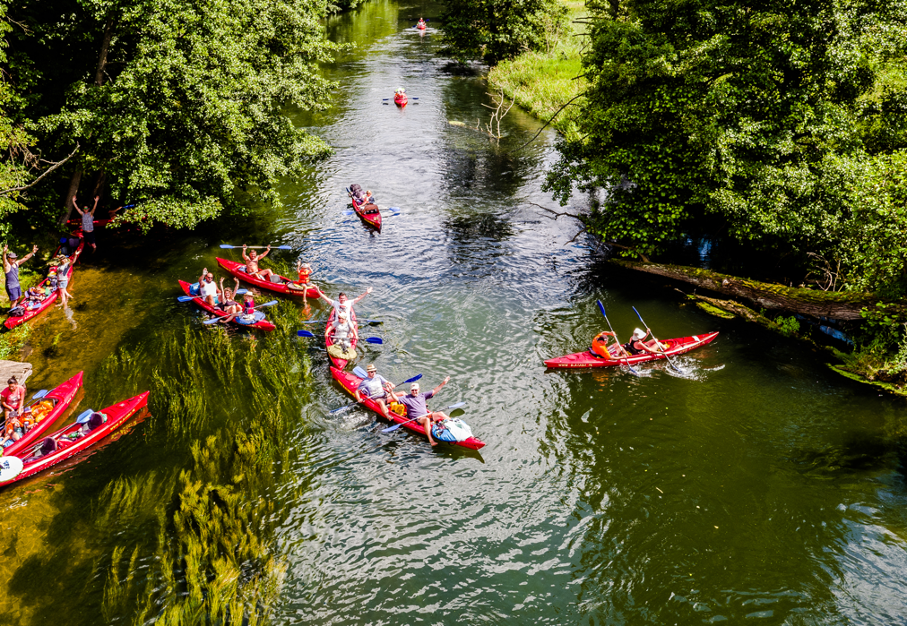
pixel 353 404
pixel 238 292
pixel 396 426
pixel 626 361
pixel 360 322
pixel 85 416
pixel 228 246
pixel 306 333
pixel 40 394
pixel 658 343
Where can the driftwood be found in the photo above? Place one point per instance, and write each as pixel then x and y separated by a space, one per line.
pixel 770 296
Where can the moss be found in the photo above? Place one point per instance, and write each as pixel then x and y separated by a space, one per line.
pixel 713 310
pixel 890 387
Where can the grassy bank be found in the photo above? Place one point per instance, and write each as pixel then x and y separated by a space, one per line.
pixel 541 82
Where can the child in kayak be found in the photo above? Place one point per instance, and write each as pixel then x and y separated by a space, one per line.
pixel 342 333
pixel 304 271
pixel 245 312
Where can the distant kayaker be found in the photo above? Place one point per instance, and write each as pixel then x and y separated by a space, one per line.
pixel 421 24
pixel 377 388
pixel 600 346
pixel 417 411
pixel 252 263
pixel 343 304
pixel 208 289
pixel 637 344
pixel 11 268
pixel 342 333
pixel 12 398
pixel 88 222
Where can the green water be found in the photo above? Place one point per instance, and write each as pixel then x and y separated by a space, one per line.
pixel 754 486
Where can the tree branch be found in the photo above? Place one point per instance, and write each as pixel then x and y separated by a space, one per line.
pixel 4 192
pixel 557 214
pixel 552 119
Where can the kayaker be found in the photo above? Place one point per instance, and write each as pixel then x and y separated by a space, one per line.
pixel 417 411
pixel 377 388
pixel 208 289
pixel 252 263
pixel 225 297
pixel 343 304
pixel 62 264
pixel 12 398
pixel 304 271
pixel 342 333
pixel 369 206
pixel 356 192
pixel 637 344
pixel 11 268
pixel 246 310
pixel 12 433
pixel 88 222
pixel 600 346
pixel 421 24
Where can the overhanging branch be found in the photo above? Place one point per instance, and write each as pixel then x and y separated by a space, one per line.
pixel 5 192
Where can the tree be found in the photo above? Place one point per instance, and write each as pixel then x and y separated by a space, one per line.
pixel 760 123
pixel 178 106
pixel 493 30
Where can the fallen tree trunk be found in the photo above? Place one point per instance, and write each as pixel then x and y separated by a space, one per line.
pixel 770 296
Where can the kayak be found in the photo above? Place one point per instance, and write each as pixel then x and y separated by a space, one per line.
pixel 351 381
pixel 400 100
pixel 73 439
pixel 338 363
pixel 12 322
pixel 421 26
pixel 260 322
pixel 285 286
pixel 588 359
pixel 45 412
pixel 98 223
pixel 372 219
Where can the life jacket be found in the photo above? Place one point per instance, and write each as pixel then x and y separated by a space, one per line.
pixel 600 345
pixel 629 346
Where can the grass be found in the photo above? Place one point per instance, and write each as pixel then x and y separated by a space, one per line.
pixel 542 82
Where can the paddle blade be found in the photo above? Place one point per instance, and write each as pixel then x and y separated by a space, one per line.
pixel 304 333
pixel 315 322
pixel 348 212
pixel 85 416
pixel 240 292
pixel 392 428
pixel 412 380
pixel 213 320
pixel 342 409
pixel 272 303
pixel 39 394
pixel 602 308
pixel 360 372
pixel 227 246
pixel 638 315
pixel 457 405
pixel 186 298
pixel 282 248
pixel 374 340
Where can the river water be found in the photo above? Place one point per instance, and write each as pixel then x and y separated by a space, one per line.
pixel 755 484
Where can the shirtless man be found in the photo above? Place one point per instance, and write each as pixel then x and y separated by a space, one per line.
pixel 252 263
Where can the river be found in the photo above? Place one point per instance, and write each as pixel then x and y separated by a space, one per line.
pixel 754 484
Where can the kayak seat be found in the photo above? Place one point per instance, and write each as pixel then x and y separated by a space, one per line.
pixel 276 279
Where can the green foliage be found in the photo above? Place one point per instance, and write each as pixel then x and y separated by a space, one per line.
pixel 494 30
pixel 11 342
pixel 770 125
pixel 788 325
pixel 190 109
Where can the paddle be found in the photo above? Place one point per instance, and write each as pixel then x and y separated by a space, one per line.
pixel 306 333
pixel 228 246
pixel 626 361
pixel 360 322
pixel 408 98
pixel 238 292
pixel 396 426
pixel 658 343
pixel 40 394
pixel 353 404
pixel 258 306
pixel 85 416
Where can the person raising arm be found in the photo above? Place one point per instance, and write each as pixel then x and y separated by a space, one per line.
pixel 11 269
pixel 252 263
pixel 88 223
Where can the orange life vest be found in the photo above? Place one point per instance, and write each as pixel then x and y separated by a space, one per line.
pixel 600 345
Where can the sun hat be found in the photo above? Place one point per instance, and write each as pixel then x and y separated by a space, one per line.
pixel 639 334
pixel 12 255
pixel 414 386
pixel 371 367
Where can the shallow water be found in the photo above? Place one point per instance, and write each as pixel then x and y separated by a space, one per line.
pixel 755 483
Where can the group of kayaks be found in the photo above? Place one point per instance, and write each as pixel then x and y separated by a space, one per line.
pixel 36 452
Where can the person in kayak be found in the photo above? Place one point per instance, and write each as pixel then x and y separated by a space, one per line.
pixel 252 263
pixel 421 24
pixel 378 389
pixel 226 298
pixel 12 398
pixel 11 269
pixel 245 311
pixel 369 206
pixel 600 346
pixel 342 304
pixel 208 289
pixel 638 344
pixel 342 333
pixel 415 403
pixel 304 271
pixel 356 192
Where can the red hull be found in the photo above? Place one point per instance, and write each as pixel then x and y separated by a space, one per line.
pixel 588 359
pixel 371 219
pixel 117 415
pixel 63 396
pixel 338 363
pixel 350 382
pixel 239 270
pixel 263 325
pixel 12 322
pixel 401 101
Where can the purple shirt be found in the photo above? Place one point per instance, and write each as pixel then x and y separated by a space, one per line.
pixel 416 406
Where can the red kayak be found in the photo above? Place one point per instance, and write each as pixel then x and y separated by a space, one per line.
pixel 285 286
pixel 260 322
pixel 338 363
pixel 351 381
pixel 75 438
pixel 98 223
pixel 45 412
pixel 588 359
pixel 368 213
pixel 12 322
pixel 400 99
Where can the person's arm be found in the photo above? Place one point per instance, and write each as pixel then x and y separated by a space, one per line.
pixel 245 258
pixel 29 255
pixel 236 285
pixel 443 383
pixel 76 207
pixel 321 294
pixel 6 265
pixel 204 273
pixel 265 253
pixel 368 291
pixel 94 208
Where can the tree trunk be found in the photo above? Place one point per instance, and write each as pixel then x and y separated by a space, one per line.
pixel 816 304
pixel 102 58
pixel 73 190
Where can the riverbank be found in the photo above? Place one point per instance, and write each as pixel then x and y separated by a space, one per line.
pixel 543 82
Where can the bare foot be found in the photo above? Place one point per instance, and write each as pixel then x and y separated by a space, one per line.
pixel 434 443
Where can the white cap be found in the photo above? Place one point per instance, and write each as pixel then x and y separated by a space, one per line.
pixel 639 334
pixel 414 386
